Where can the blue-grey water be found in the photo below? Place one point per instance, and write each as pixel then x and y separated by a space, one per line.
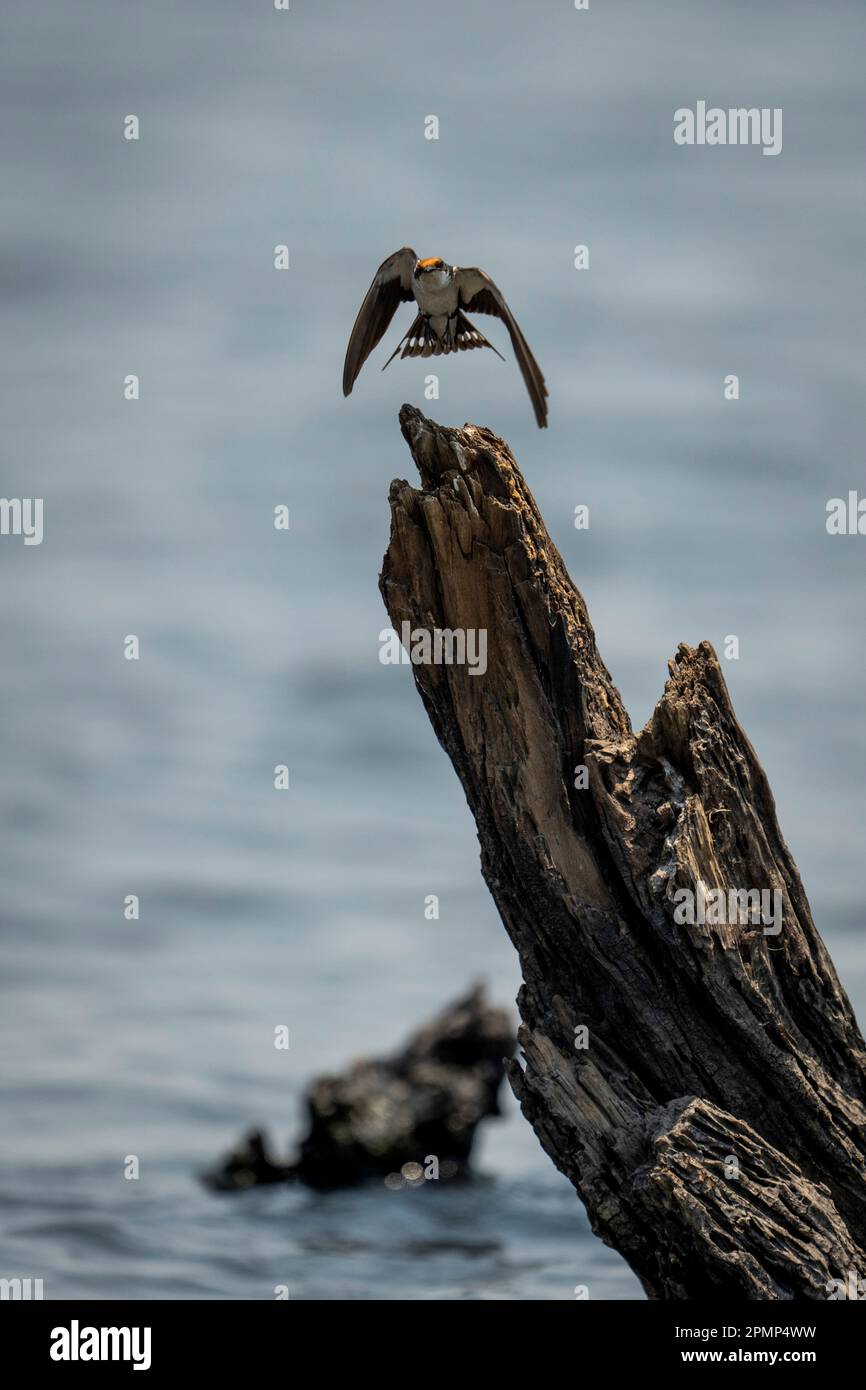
pixel 258 647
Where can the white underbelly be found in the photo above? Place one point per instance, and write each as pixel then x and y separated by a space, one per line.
pixel 436 298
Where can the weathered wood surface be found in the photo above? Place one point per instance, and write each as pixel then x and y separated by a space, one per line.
pixel 705 1043
pixel 381 1113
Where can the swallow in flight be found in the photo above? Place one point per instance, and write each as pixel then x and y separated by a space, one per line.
pixel 442 293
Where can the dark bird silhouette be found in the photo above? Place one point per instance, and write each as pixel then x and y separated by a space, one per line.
pixel 442 293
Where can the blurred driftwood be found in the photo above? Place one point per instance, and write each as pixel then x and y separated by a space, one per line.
pixel 705 1044
pixel 379 1115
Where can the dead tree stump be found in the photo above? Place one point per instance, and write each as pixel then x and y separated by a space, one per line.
pixel 715 1123
pixel 380 1114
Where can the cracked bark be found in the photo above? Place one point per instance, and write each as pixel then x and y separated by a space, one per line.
pixel 706 1043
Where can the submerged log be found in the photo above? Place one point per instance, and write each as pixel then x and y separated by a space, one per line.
pixel 703 1086
pixel 251 1164
pixel 416 1110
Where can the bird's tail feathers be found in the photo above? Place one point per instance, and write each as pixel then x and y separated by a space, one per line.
pixel 422 341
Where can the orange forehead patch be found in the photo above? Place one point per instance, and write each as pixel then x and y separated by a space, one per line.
pixel 431 260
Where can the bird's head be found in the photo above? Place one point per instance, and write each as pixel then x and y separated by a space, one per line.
pixel 428 266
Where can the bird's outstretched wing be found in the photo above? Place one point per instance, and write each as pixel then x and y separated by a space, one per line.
pixel 478 294
pixel 391 287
